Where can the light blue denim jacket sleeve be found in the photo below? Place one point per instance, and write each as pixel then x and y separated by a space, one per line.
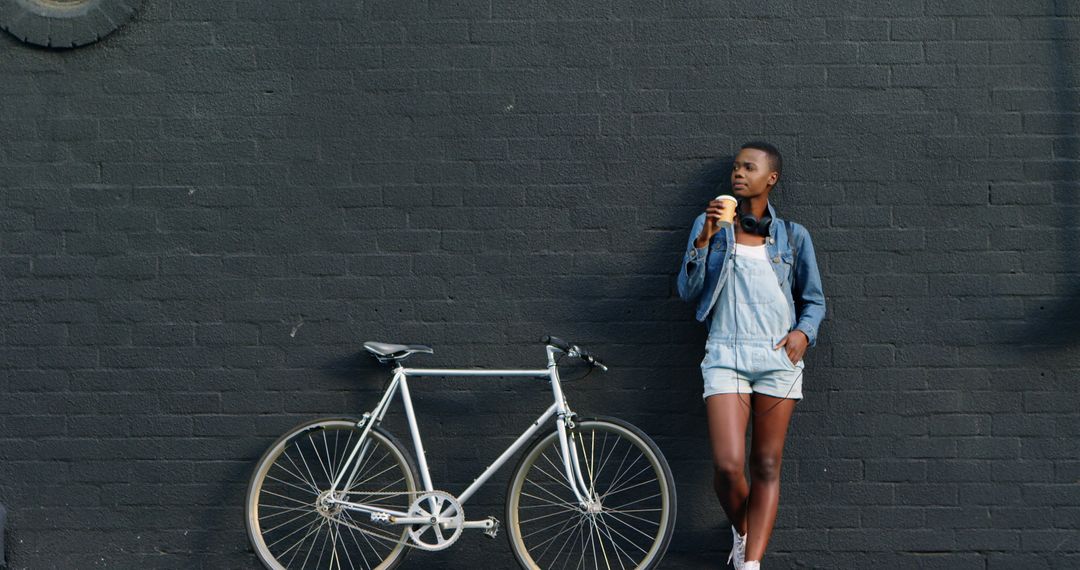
pixel 806 287
pixel 691 279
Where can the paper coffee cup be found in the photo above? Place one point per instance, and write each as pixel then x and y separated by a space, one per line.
pixel 728 217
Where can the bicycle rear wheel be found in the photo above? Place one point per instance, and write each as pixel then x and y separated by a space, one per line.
pixel 633 523
pixel 286 524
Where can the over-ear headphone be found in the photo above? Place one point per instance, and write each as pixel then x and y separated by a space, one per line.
pixel 749 223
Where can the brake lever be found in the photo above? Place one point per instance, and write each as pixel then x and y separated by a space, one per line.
pixel 594 362
pixel 589 359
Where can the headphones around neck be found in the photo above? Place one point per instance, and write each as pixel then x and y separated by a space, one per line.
pixel 749 223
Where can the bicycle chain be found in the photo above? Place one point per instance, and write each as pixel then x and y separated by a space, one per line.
pixel 413 496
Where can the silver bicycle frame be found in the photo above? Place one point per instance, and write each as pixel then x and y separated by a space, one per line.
pixel 559 410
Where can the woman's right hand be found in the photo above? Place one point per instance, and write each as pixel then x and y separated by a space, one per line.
pixel 713 213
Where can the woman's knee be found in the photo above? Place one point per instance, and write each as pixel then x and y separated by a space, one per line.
pixel 729 469
pixel 765 467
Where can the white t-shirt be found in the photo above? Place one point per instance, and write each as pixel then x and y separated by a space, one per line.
pixel 752 251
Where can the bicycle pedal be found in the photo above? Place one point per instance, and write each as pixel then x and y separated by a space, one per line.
pixel 493 529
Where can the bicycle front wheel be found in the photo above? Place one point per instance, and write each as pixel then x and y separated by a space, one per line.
pixel 629 526
pixel 290 525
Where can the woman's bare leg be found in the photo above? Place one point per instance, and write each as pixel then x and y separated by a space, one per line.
pixel 728 415
pixel 771 419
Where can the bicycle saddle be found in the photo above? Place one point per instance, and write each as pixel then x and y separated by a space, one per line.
pixel 386 352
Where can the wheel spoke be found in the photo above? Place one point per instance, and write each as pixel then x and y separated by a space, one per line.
pixel 539 530
pixel 554 514
pixel 561 479
pixel 619 552
pixel 290 499
pixel 322 549
pixel 317 523
pixel 627 514
pixel 319 458
pixel 360 549
pixel 631 542
pixel 559 499
pixel 653 496
pixel 293 485
pixel 307 468
pixel 573 535
pixel 362 458
pixel 622 472
pixel 329 458
pixel 622 487
pixel 310 481
pixel 607 454
pixel 566 527
pixel 353 485
pixel 337 533
pixel 281 511
pixel 270 530
pixel 634 486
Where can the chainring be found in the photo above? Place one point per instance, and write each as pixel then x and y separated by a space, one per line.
pixel 433 536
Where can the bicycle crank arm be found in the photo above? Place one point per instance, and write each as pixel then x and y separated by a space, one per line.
pixel 442 521
pixel 486 524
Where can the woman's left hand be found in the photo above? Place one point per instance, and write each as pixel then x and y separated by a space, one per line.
pixel 796 342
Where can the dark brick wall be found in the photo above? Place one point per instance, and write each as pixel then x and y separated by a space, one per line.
pixel 205 214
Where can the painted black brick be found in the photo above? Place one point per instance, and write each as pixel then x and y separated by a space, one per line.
pixel 206 214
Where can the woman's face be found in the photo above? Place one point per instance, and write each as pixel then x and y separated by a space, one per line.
pixel 752 174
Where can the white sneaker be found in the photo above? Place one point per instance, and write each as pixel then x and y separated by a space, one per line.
pixel 738 549
pixel 752 565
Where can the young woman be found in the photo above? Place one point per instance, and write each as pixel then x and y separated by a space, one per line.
pixel 756 285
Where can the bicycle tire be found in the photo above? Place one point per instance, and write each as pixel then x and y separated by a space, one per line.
pixel 372 549
pixel 590 535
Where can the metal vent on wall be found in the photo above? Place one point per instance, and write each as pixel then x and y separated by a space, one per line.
pixel 64 23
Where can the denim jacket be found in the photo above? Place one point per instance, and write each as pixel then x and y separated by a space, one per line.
pixel 705 270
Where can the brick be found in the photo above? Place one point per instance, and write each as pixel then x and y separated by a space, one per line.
pixel 891 52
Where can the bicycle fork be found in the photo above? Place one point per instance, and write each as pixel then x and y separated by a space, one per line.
pixel 565 424
pixel 572 464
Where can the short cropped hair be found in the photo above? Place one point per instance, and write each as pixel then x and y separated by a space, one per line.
pixel 775 160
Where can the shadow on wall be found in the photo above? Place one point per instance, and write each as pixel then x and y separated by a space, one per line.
pixel 711 180
pixel 627 304
pixel 1061 325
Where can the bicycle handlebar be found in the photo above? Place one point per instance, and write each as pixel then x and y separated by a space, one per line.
pixel 574 350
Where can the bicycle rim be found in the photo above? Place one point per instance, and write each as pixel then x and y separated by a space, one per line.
pixel 285 524
pixel 626 471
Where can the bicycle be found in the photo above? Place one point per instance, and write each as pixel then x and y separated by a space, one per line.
pixel 344 493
